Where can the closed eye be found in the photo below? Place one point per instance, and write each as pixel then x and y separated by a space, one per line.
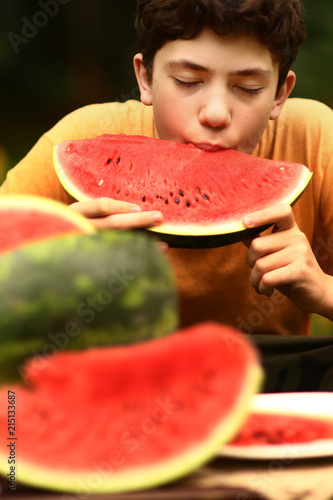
pixel 250 91
pixel 185 84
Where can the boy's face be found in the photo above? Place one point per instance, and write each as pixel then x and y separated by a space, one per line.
pixel 215 92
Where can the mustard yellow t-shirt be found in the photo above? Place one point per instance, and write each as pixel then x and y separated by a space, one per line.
pixel 214 283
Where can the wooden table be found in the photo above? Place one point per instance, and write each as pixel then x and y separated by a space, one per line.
pixel 227 479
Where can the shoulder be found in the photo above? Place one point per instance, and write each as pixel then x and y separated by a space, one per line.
pixel 311 123
pixel 306 114
pixel 301 134
pixel 130 117
pixel 306 111
pixel 300 106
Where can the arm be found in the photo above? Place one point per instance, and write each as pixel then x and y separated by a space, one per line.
pixel 285 261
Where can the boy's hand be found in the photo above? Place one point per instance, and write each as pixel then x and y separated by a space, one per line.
pixel 284 260
pixel 106 213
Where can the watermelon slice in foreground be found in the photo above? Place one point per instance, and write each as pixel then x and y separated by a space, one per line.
pixel 203 195
pixel 130 418
pixel 27 219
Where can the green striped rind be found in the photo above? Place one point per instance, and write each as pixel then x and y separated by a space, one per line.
pixel 91 482
pixel 83 291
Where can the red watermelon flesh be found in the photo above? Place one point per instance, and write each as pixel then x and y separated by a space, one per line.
pixel 275 429
pixel 127 418
pixel 198 192
pixel 27 219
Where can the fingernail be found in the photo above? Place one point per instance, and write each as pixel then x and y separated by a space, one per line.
pixel 248 221
pixel 135 208
pixel 157 217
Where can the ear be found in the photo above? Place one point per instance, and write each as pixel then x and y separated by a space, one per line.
pixel 143 81
pixel 283 95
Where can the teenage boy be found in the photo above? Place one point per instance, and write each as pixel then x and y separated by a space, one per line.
pixel 216 73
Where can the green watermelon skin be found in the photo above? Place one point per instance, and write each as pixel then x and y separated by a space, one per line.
pixel 83 291
pixel 203 195
pixel 131 417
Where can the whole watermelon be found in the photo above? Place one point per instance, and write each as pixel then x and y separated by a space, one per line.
pixel 82 291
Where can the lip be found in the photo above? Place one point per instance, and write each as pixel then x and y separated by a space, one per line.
pixel 210 147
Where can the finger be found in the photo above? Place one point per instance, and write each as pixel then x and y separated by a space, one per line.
pixel 280 215
pixel 102 207
pixel 248 241
pixel 293 244
pixel 260 274
pixel 164 247
pixel 279 269
pixel 266 245
pixel 128 221
pixel 281 279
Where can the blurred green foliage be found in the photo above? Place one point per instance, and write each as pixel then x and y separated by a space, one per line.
pixel 315 59
pixel 321 327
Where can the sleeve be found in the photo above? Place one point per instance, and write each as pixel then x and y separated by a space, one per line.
pixel 35 173
pixel 323 248
pixel 322 160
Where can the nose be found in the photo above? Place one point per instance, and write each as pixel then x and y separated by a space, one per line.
pixel 215 111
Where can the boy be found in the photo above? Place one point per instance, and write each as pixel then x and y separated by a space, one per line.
pixel 216 73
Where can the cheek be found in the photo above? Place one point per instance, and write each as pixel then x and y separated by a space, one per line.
pixel 252 129
pixel 169 119
pixel 255 124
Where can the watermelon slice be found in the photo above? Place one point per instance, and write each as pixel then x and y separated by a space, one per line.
pixel 276 429
pixel 202 195
pixel 28 219
pixel 129 418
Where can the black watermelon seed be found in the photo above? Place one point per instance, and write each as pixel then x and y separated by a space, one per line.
pixel 127 193
pixel 177 200
pixel 198 190
pixel 181 192
pixel 196 198
pixel 205 197
pixel 188 204
pixel 117 160
pixel 161 197
pixel 171 193
pixel 166 201
pixel 118 191
pixel 157 196
pixel 143 197
pixel 108 161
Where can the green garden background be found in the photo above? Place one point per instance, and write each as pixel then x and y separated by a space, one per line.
pixel 58 55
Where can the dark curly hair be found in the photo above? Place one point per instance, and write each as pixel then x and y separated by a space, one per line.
pixel 277 24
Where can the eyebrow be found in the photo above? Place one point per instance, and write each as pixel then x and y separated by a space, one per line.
pixel 252 72
pixel 185 63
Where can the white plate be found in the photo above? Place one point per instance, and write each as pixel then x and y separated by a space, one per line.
pixel 306 404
